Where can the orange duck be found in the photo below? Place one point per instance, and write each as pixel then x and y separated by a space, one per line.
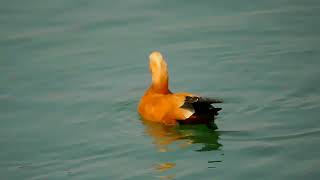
pixel 159 104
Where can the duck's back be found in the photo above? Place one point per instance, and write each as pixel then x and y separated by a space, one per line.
pixel 165 108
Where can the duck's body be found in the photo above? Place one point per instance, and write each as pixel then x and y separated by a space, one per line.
pixel 161 105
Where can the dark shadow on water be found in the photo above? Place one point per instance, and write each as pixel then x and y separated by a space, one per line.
pixel 182 136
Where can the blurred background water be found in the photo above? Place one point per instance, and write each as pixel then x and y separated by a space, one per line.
pixel 72 73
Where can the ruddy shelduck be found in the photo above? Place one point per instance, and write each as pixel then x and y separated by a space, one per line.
pixel 161 105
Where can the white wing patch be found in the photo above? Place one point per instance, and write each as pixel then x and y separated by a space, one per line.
pixel 187 110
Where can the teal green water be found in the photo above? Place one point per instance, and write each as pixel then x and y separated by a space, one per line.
pixel 72 73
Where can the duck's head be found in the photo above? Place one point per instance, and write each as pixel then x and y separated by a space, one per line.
pixel 159 72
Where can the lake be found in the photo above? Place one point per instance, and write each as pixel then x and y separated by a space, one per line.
pixel 72 73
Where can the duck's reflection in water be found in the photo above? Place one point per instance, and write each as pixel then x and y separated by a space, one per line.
pixel 183 136
pixel 171 138
pixel 162 167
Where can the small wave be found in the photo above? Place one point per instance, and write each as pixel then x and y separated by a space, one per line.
pixel 276 138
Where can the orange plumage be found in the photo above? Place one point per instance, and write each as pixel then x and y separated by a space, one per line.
pixel 161 105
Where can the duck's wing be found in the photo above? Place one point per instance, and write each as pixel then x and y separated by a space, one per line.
pixel 201 106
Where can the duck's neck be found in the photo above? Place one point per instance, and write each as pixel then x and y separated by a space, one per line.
pixel 160 82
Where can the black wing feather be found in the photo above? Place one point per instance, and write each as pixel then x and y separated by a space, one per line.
pixel 193 99
pixel 204 111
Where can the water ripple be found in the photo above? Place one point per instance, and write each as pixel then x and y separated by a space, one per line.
pixel 234 136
